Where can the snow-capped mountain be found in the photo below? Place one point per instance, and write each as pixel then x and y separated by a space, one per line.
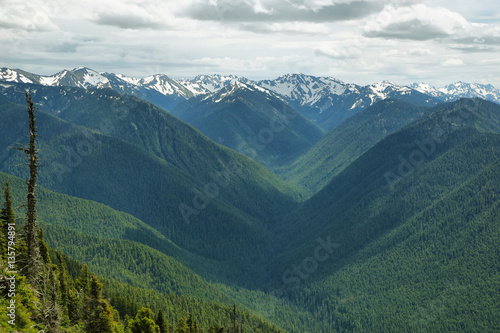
pixel 228 92
pixel 158 89
pixel 328 101
pixel 325 100
pixel 206 84
pixel 79 77
pixel 306 89
pixel 248 118
pixel 455 91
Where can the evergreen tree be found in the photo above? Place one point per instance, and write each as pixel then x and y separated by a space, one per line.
pixel 98 317
pixel 161 322
pixel 7 217
pixel 143 322
pixel 181 326
pixel 190 323
pixel 234 319
pixel 83 282
pixel 44 248
pixel 63 284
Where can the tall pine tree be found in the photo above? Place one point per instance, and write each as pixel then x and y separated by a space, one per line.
pixel 161 322
pixel 7 217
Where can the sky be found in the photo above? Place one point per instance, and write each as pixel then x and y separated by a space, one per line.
pixel 357 41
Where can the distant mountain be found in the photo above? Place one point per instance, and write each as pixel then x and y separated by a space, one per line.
pixel 251 120
pixel 324 100
pixel 455 91
pixel 158 89
pixel 206 84
pixel 327 101
pixel 349 140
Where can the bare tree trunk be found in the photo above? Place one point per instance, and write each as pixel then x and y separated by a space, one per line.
pixel 34 265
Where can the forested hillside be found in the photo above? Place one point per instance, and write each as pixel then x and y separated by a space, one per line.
pixel 253 121
pixel 408 226
pixel 150 226
pixel 220 192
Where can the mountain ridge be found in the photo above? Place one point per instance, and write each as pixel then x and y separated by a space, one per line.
pixel 303 90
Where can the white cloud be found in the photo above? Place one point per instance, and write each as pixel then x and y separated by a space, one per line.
pixel 339 53
pixel 420 40
pixel 296 28
pixel 452 62
pixel 281 11
pixel 417 22
pixel 28 16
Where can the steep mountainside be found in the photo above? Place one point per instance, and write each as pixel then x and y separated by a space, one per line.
pixel 349 140
pixel 251 120
pixel 401 232
pixel 134 275
pixel 219 194
pixel 392 229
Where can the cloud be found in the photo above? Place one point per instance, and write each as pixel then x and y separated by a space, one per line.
pixel 452 62
pixel 417 22
pixel 133 14
pixel 420 52
pixel 482 38
pixel 293 28
pixel 128 21
pixel 474 48
pixel 28 16
pixel 339 53
pixel 64 48
pixel 281 11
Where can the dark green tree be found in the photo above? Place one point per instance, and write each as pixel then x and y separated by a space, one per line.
pixel 235 328
pixel 98 317
pixel 83 282
pixel 143 322
pixel 7 217
pixel 63 284
pixel 161 322
pixel 182 327
pixel 190 323
pixel 44 248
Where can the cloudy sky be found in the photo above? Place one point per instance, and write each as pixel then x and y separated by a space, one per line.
pixel 357 41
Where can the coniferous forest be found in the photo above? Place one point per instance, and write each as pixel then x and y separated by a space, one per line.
pixel 120 216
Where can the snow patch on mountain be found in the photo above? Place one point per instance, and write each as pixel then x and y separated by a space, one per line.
pixel 305 89
pixel 457 90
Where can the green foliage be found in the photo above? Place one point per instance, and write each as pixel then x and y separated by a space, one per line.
pixel 409 248
pixel 252 122
pixel 97 313
pixel 144 322
pixel 7 216
pixel 152 177
pixel 416 240
pixel 346 142
pixel 161 322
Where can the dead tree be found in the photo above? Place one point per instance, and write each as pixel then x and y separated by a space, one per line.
pixel 34 264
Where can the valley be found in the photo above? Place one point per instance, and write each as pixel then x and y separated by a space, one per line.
pixel 300 204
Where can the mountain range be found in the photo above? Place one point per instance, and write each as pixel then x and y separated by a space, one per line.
pixel 324 100
pixel 382 215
